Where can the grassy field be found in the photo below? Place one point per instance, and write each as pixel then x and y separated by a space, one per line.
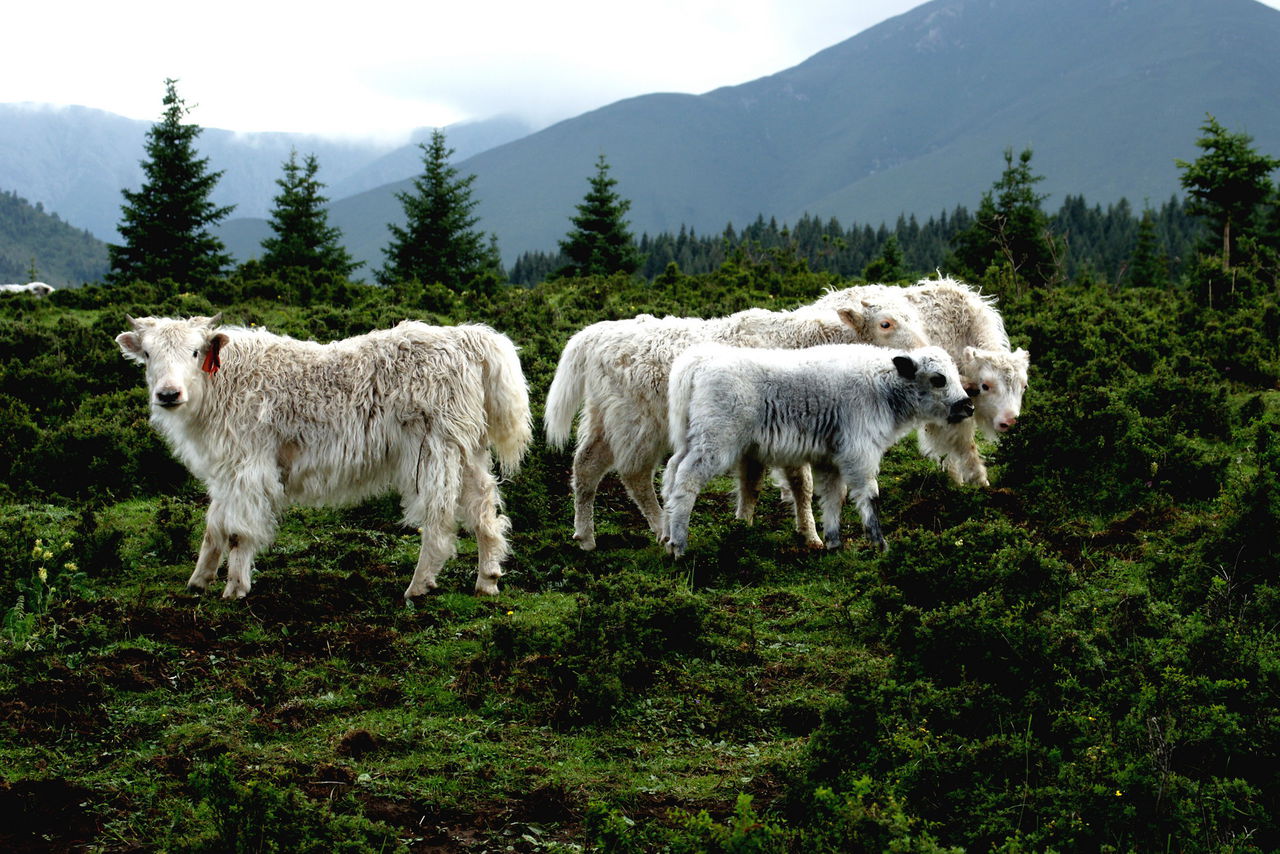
pixel 1082 657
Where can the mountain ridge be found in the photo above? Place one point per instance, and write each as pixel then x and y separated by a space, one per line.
pixel 908 117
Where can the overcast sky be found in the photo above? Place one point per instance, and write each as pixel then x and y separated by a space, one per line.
pixel 384 67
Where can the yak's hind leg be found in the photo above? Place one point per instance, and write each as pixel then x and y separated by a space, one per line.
pixel 799 491
pixel 479 510
pixel 954 446
pixel 591 462
pixel 430 489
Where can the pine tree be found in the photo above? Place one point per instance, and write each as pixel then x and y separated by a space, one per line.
pixel 1148 265
pixel 888 266
pixel 166 222
pixel 1010 230
pixel 1227 183
pixel 303 237
pixel 438 243
pixel 600 244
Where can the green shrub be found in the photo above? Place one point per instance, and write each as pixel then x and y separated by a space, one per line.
pixel 600 655
pixel 262 816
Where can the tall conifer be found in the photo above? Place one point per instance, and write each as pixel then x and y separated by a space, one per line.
pixel 303 237
pixel 1227 184
pixel 1148 266
pixel 438 242
pixel 600 244
pixel 166 223
pixel 1010 230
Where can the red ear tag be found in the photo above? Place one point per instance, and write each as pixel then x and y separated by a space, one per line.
pixel 211 361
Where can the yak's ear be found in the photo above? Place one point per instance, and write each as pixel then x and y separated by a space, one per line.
pixel 857 321
pixel 131 342
pixel 906 367
pixel 130 345
pixel 213 354
pixel 215 321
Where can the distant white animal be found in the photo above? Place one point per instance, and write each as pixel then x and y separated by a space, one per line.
pixel 39 289
pixel 836 408
pixel 616 372
pixel 266 421
pixel 966 324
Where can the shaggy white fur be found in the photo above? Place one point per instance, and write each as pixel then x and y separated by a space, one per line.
pixel 266 421
pixel 836 408
pixel 616 372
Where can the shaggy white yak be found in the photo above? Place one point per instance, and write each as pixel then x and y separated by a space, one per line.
pixel 616 372
pixel 39 289
pixel 836 409
pixel 266 421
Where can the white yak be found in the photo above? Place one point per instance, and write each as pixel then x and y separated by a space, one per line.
pixel 266 421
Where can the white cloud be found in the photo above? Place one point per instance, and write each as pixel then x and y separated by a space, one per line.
pixel 380 67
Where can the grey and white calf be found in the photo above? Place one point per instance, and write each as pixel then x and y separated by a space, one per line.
pixel 837 408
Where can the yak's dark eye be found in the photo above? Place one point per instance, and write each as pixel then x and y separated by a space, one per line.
pixel 146 355
pixel 986 387
pixel 937 381
pixel 195 354
pixel 886 324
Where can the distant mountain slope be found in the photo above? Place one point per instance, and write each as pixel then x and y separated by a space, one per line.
pixel 75 160
pixel 40 246
pixel 909 116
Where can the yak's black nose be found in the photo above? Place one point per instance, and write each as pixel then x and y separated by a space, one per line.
pixel 960 410
pixel 168 397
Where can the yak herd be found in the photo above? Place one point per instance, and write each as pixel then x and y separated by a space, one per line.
pixel 817 394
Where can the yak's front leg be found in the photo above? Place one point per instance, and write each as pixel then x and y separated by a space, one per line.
pixel 862 485
pixel 831 492
pixel 211 549
pixel 239 567
pixel 434 509
pixel 799 483
pixel 750 479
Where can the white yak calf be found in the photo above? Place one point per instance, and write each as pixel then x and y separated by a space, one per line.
pixel 616 372
pixel 837 408
pixel 266 421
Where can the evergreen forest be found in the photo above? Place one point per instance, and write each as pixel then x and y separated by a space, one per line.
pixel 1081 657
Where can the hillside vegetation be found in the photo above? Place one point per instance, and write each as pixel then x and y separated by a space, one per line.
pixel 1083 657
pixel 36 245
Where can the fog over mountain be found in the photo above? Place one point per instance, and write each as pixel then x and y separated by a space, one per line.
pixel 76 160
pixel 908 117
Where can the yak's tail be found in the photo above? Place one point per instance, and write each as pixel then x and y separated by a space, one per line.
pixel 568 388
pixel 684 373
pixel 506 403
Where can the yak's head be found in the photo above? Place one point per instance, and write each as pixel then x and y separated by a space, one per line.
pixel 177 353
pixel 893 323
pixel 997 379
pixel 942 394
